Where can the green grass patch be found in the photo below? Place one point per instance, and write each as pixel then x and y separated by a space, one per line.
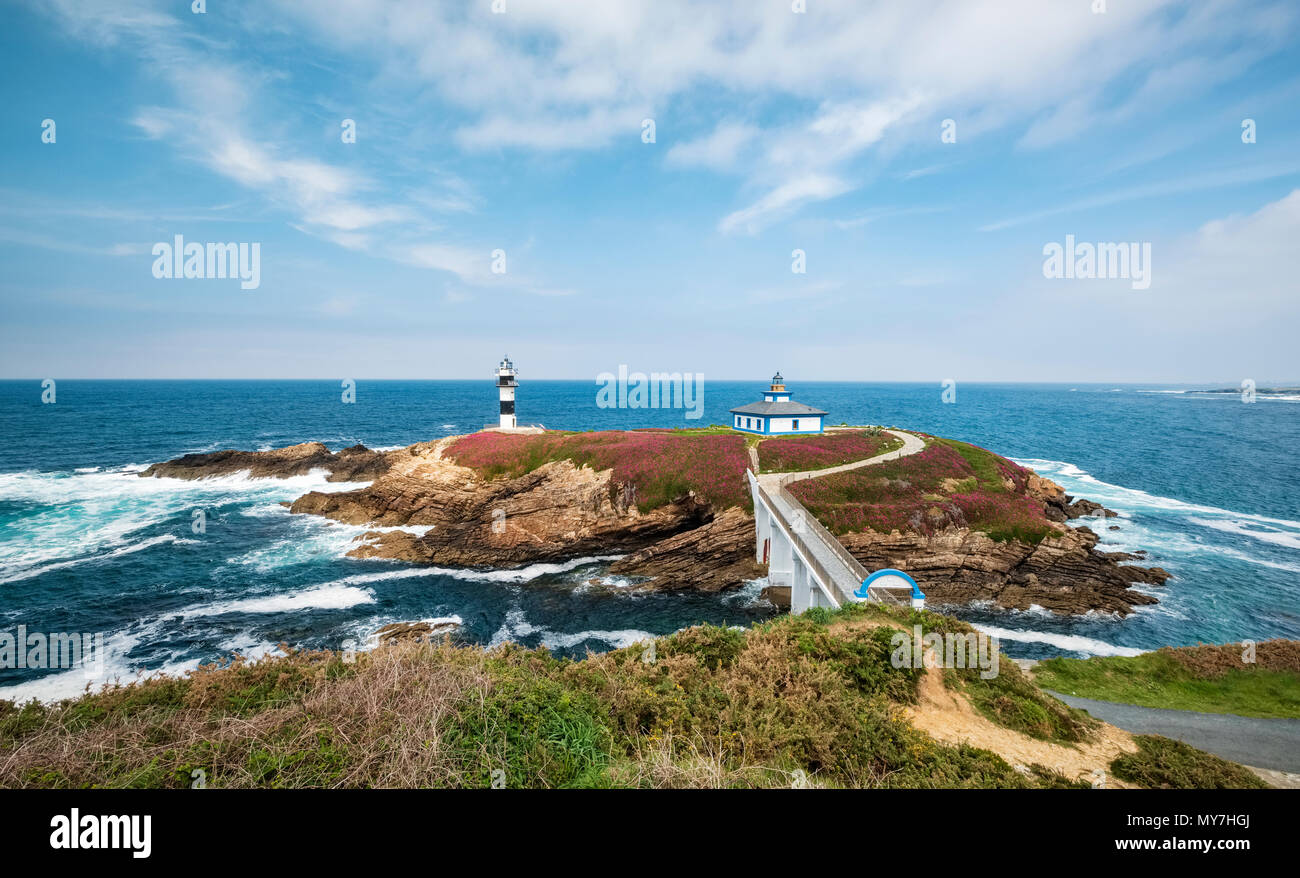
pixel 986 464
pixel 1159 679
pixel 949 484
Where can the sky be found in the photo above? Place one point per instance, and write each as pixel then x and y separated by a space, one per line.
pixel 916 159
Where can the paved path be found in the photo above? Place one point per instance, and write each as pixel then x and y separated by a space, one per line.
pixel 1250 740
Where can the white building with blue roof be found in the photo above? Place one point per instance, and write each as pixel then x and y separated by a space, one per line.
pixel 777 414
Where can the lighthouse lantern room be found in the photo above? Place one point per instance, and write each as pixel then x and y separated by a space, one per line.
pixel 506 384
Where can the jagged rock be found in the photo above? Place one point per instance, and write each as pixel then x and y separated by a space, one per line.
pixel 357 463
pixel 414 632
pixel 554 513
pixel 777 595
pixel 715 556
pixel 1060 506
pixel 1086 508
pixel 1064 573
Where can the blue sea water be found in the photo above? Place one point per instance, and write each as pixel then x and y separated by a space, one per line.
pixel 1205 484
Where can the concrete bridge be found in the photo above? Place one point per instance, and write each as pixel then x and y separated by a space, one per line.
pixel 805 557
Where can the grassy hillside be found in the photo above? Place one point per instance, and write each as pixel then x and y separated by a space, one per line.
pixel 949 483
pixel 811 699
pixel 1210 679
pixel 661 464
pixel 787 454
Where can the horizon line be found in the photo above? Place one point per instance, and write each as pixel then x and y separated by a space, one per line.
pixel 487 380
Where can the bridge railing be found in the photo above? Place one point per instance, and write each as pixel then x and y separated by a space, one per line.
pixel 823 575
pixel 827 539
pixel 887 595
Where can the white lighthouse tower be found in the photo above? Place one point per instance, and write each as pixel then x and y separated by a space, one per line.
pixel 506 384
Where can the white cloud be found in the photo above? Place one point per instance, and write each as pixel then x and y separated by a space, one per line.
pixel 28 238
pixel 917 173
pixel 718 150
pixel 595 128
pixel 471 266
pixel 1249 173
pixel 820 91
pixel 1222 302
pixel 781 201
pixel 580 63
pixel 211 124
pixel 1242 262
pixel 581 74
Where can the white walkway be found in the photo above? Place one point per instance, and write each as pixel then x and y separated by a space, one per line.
pixel 804 555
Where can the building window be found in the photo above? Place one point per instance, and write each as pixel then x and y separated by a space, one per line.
pixel 747 422
pixel 796 424
pixel 759 422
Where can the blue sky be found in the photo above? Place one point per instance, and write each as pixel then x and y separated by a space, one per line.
pixel 774 131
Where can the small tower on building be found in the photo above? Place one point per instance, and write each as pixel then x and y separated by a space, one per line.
pixel 506 384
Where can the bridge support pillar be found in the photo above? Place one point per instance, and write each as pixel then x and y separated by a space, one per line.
pixel 780 561
pixel 801 589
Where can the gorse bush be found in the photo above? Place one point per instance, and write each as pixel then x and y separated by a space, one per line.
pixel 1163 763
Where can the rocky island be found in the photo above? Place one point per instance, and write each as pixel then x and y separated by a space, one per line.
pixel 967 524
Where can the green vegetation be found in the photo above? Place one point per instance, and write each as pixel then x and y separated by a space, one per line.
pixel 949 484
pixel 787 454
pixel 656 466
pixel 1162 763
pixel 812 699
pixel 1209 679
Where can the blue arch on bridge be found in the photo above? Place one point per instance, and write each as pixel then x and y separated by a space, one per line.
pixel 889 571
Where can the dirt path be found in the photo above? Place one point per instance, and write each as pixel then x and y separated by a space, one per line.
pixel 949 717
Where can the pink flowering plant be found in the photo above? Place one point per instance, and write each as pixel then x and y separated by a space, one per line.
pixel 660 466
pixel 949 484
pixel 788 454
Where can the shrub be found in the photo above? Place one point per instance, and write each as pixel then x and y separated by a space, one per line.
pixel 1164 763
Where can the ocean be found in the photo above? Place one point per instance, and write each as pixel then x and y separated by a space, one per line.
pixel 1205 484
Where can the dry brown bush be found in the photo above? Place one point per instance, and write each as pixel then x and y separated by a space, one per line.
pixel 1212 661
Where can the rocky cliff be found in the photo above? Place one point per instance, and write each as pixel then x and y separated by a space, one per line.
pixel 556 512
pixel 560 511
pixel 1064 574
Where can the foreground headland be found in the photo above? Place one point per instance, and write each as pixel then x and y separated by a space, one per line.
pixel 820 699
pixel 967 524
